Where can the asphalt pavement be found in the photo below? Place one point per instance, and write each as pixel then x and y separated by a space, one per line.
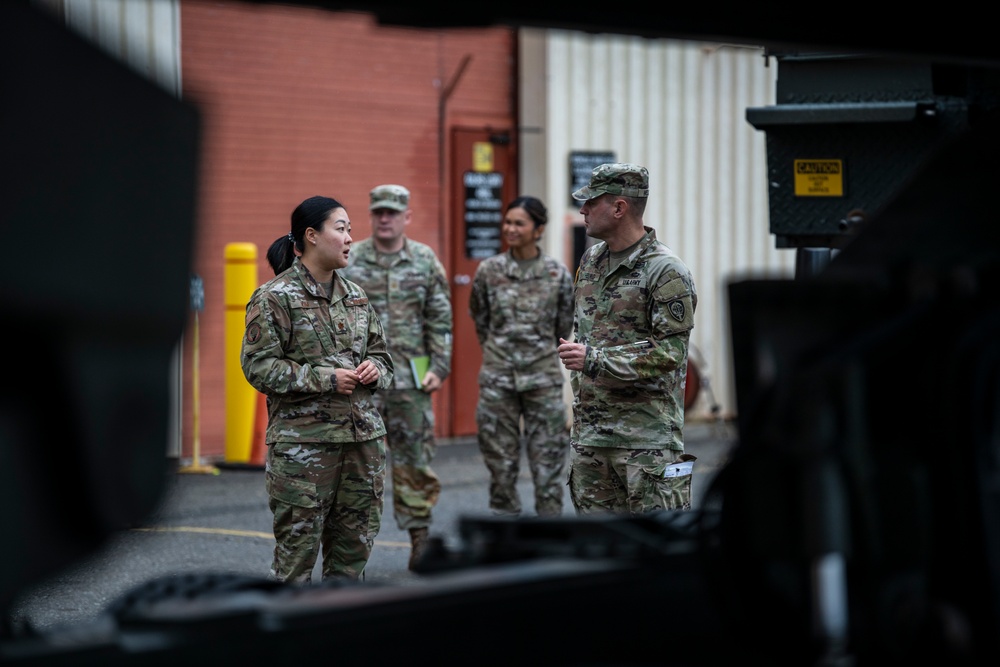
pixel 220 523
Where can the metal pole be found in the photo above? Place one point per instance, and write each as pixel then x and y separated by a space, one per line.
pixel 196 465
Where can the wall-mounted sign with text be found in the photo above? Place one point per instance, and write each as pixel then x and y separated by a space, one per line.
pixel 581 164
pixel 483 213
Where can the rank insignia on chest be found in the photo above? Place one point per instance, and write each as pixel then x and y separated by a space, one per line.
pixel 340 327
pixel 676 309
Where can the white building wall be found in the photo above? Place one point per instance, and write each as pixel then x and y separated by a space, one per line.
pixel 677 108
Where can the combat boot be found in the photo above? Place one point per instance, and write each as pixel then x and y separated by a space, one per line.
pixel 418 540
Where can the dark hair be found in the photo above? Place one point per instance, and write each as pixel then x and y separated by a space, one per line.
pixel 638 203
pixel 534 207
pixel 313 212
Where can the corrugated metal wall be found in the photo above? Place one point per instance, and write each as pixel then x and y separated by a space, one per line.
pixel 677 108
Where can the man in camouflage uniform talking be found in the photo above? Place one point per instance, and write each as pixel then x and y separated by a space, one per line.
pixel 408 288
pixel 635 302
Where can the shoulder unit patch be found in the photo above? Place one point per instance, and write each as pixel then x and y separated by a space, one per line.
pixel 253 332
pixel 676 309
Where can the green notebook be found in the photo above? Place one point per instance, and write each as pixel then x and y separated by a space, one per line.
pixel 419 366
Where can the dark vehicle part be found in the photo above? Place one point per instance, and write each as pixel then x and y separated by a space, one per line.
pixel 849 131
pixel 98 226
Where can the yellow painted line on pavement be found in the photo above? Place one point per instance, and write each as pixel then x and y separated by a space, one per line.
pixel 238 533
pixel 213 531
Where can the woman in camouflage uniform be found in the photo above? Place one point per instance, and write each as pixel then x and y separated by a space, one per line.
pixel 522 303
pixel 315 347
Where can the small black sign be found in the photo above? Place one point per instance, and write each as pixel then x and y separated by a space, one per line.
pixel 197 293
pixel 581 164
pixel 483 213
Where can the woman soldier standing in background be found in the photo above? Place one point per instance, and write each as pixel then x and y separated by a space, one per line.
pixel 522 303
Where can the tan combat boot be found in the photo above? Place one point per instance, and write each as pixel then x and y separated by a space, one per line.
pixel 418 539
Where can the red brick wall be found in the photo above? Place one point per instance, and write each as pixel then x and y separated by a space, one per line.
pixel 301 101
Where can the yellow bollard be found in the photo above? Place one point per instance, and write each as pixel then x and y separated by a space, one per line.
pixel 241 397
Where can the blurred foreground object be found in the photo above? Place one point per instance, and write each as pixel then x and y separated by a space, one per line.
pixel 99 172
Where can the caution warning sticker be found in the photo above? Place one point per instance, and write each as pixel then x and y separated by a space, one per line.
pixel 819 178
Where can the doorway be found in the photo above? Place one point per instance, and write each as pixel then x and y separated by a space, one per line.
pixel 482 181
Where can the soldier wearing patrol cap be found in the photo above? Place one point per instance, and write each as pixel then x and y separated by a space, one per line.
pixel 409 290
pixel 634 302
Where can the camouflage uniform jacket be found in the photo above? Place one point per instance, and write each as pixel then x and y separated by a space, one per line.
pixel 413 301
pixel 296 336
pixel 520 312
pixel 635 323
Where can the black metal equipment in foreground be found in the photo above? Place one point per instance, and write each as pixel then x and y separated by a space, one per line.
pixel 515 594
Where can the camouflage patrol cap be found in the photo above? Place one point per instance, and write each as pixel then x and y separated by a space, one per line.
pixel 395 197
pixel 615 178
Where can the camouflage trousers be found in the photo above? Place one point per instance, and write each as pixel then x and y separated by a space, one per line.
pixel 409 420
pixel 324 494
pixel 634 481
pixel 498 419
